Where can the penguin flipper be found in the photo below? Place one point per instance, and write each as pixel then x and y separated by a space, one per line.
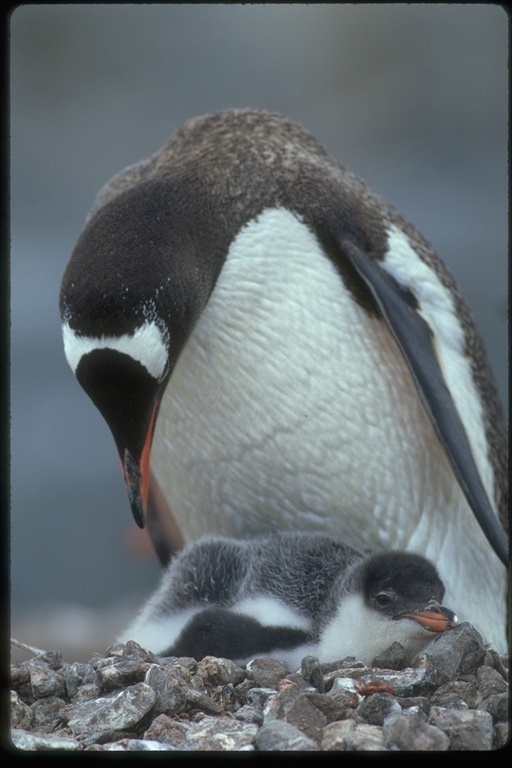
pixel 415 339
pixel 218 631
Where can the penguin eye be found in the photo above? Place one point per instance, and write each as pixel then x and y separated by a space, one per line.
pixel 383 599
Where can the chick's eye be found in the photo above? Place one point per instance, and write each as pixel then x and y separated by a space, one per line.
pixel 383 599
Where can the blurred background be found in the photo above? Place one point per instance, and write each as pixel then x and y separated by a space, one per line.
pixel 413 98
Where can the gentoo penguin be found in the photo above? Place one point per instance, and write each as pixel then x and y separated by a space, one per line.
pixel 274 348
pixel 288 595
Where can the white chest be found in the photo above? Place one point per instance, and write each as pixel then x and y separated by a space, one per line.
pixel 291 406
pixel 356 630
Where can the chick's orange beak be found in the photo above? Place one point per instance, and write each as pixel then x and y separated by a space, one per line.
pixel 435 621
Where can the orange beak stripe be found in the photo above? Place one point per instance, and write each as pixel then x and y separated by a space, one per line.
pixel 432 620
pixel 144 459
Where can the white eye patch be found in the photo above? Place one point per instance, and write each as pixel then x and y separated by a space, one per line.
pixel 146 345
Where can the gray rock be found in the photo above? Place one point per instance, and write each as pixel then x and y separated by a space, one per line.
pixel 137 745
pixel 344 693
pixel 333 708
pixel 249 714
pixel 133 651
pixel 375 708
pixel 497 706
pixel 227 697
pixel 343 686
pixel 102 662
pixel 121 673
pixel 457 652
pixel 50 659
pixel 311 671
pixel 86 692
pixel 347 668
pixel 453 702
pixel 178 690
pixel 294 706
pixel 20 674
pixel 410 731
pixel 457 694
pixel 490 682
pixel 219 734
pixel 393 657
pixel 422 703
pixel 497 662
pixel 181 664
pixel 169 688
pixel 220 671
pixel 501 735
pixel 243 688
pixel 467 730
pixel 46 713
pixel 258 697
pixel 347 735
pixel 196 699
pixel 111 713
pixel 167 730
pixel 297 679
pixel 131 700
pixel 266 673
pixel 280 736
pixel 21 714
pixel 349 662
pixel 45 681
pixel 407 682
pixel 76 675
pixel 35 742
pixel 304 715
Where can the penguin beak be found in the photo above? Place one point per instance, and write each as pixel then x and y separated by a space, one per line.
pixel 136 474
pixel 434 618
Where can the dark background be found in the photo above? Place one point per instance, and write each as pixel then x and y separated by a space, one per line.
pixel 413 98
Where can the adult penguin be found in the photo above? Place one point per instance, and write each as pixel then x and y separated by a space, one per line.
pixel 275 348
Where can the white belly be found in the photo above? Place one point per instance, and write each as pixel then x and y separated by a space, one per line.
pixel 292 408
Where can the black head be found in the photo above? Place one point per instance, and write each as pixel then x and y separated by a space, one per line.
pixel 153 247
pixel 138 278
pixel 395 583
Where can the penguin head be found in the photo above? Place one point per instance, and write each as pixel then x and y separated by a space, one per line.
pixel 152 249
pixel 135 285
pixel 386 597
pixel 404 586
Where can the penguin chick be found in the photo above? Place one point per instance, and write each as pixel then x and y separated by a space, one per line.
pixel 386 597
pixel 289 595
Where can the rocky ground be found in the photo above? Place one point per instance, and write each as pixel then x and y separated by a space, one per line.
pixel 454 696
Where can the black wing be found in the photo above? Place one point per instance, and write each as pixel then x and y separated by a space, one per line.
pixel 414 339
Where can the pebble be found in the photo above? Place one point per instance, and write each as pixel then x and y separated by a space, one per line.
pixel 453 697
pixel 281 736
pixel 266 673
pixel 393 657
pixel 115 712
pixel 35 741
pixel 221 733
pixel 349 736
pixel 456 653
pixel 21 714
pixel 468 730
pixel 136 745
pixel 409 731
pixel 374 709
